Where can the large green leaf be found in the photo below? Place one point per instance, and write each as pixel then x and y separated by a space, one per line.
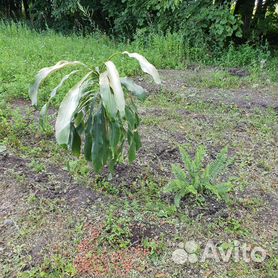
pixel 146 66
pixel 132 150
pixel 89 129
pixel 100 147
pixel 115 84
pixel 132 133
pixel 74 141
pixel 135 89
pixel 108 99
pixel 89 137
pixel 67 110
pixel 43 74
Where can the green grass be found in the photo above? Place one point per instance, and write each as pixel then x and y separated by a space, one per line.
pixel 56 224
pixel 23 52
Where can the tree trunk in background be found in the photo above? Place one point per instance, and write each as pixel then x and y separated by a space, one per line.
pixel 245 8
pixel 26 9
pixel 17 9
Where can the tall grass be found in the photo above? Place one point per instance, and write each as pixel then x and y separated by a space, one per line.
pixel 175 52
pixel 23 52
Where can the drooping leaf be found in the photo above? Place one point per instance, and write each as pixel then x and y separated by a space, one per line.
pixel 44 110
pixel 115 136
pixel 67 110
pixel 43 74
pixel 43 115
pixel 58 87
pixel 79 122
pixel 88 138
pixel 137 140
pixel 132 151
pixel 115 84
pixel 108 99
pixel 135 89
pixel 146 66
pixel 74 141
pixel 89 130
pixel 131 120
pixel 100 147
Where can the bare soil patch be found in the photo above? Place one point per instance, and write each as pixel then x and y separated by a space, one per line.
pixel 180 81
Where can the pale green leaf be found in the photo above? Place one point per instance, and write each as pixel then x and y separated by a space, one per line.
pixel 43 115
pixel 115 84
pixel 108 99
pixel 58 87
pixel 43 74
pixel 67 109
pixel 135 89
pixel 146 66
pixel 44 110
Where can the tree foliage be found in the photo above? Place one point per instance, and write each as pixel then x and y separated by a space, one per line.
pixel 222 20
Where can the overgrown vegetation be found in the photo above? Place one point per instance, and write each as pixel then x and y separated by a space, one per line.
pixel 163 51
pixel 218 22
pixel 226 33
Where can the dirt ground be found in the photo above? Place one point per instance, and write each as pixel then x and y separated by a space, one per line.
pixel 44 212
pixel 184 81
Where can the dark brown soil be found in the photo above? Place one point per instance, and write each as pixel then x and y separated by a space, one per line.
pixel 51 184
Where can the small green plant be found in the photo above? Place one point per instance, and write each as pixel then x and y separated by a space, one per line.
pixel 199 179
pixel 77 167
pixel 55 266
pixel 155 247
pixel 99 110
pixel 116 231
pixel 106 186
pixel 36 166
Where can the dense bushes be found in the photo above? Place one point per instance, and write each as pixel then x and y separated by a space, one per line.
pixel 169 33
pixel 215 23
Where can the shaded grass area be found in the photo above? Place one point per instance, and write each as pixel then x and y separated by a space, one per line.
pixel 57 216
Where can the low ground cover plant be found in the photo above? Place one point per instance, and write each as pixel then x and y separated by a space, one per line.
pixel 198 179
